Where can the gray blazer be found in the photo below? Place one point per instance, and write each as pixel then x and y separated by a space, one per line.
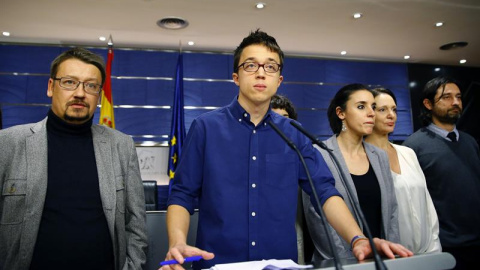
pixel 380 164
pixel 23 185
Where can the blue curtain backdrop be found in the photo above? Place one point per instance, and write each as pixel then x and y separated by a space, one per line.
pixel 147 78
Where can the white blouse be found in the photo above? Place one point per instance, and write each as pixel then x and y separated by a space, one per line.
pixel 417 218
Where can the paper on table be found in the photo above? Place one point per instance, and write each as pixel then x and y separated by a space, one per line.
pixel 259 265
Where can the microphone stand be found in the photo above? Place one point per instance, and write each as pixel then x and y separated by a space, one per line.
pixel 336 259
pixel 379 264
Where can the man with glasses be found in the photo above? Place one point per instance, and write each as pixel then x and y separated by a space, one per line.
pixel 246 177
pixel 72 195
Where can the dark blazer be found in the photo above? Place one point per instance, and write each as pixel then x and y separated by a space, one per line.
pixel 379 161
pixel 23 185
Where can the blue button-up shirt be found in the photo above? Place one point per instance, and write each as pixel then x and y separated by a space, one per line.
pixel 246 179
pixel 442 132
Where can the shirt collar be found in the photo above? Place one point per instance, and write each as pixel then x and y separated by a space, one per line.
pixel 241 114
pixel 58 125
pixel 442 132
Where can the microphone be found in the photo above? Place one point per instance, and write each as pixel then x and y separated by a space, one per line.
pixel 379 264
pixel 314 192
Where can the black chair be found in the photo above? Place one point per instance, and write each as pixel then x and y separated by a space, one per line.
pixel 151 195
pixel 158 238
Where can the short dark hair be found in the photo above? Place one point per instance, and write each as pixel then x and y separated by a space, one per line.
pixel 340 100
pixel 429 92
pixel 81 54
pixel 282 102
pixel 257 38
pixel 386 91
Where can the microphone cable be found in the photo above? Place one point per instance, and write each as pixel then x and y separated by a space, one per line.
pixel 336 258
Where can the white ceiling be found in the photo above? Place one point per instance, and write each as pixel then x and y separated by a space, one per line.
pixel 389 29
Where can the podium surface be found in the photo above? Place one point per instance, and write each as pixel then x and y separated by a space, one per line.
pixel 431 261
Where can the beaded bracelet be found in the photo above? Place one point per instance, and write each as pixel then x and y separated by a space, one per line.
pixel 355 239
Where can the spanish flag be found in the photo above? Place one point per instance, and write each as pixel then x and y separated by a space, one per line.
pixel 177 132
pixel 106 111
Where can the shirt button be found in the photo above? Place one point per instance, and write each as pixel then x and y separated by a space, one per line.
pixel 264 124
pixel 254 131
pixel 253 214
pixel 245 115
pixel 254 186
pixel 254 158
pixel 239 120
pixel 12 189
pixel 253 243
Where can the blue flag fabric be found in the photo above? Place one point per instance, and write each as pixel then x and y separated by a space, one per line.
pixel 177 132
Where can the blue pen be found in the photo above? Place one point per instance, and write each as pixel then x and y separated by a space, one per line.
pixel 188 259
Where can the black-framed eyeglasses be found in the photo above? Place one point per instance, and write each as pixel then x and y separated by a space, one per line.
pixel 254 67
pixel 71 84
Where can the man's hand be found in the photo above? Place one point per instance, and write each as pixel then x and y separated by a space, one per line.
pixel 362 249
pixel 180 251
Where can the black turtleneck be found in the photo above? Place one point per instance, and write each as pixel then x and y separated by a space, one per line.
pixel 73 232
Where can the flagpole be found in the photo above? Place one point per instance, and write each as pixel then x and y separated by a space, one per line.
pixel 177 132
pixel 106 110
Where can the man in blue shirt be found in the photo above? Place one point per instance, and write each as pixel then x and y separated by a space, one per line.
pixel 246 176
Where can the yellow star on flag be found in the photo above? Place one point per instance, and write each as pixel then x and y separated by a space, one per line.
pixel 171 174
pixel 173 141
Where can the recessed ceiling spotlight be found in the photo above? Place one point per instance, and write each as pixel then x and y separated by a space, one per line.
pixel 191 43
pixel 453 45
pixel 343 52
pixel 102 38
pixel 439 24
pixel 357 15
pixel 260 5
pixel 437 69
pixel 172 23
pixel 406 57
pixel 7 34
pixel 463 61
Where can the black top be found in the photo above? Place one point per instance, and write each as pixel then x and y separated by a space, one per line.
pixel 369 197
pixel 73 232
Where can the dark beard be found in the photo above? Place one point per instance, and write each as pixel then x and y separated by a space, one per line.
pixel 449 118
pixel 75 119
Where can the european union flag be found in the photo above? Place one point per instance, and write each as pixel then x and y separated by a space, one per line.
pixel 177 132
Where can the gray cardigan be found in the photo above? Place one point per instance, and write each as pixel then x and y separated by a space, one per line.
pixel 23 185
pixel 379 161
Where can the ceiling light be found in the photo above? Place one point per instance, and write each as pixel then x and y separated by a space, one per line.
pixel 406 57
pixel 172 23
pixel 437 69
pixel 463 61
pixel 7 34
pixel 343 52
pixel 439 24
pixel 260 5
pixel 102 38
pixel 191 43
pixel 357 15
